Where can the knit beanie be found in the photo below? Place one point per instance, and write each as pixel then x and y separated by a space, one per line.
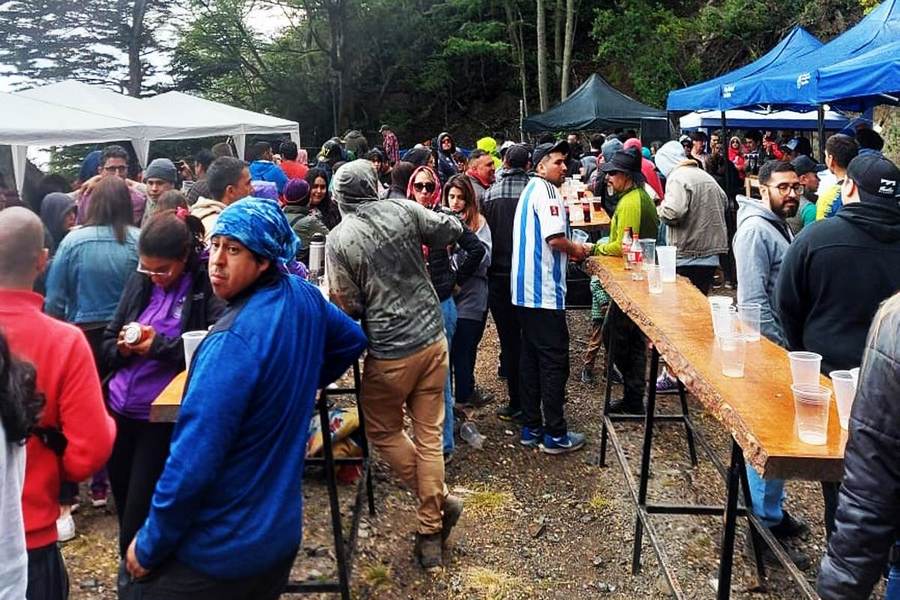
pixel 161 168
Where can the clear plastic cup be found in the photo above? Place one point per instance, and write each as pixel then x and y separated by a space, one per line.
pixel 580 236
pixel 191 340
pixel 855 373
pixel 648 248
pixel 805 367
pixel 811 402
pixel 844 385
pixel 724 319
pixel 748 317
pixel 733 350
pixel 654 279
pixel 666 257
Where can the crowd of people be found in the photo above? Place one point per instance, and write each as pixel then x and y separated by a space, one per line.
pixel 99 280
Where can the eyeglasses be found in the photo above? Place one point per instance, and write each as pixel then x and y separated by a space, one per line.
pixel 427 186
pixel 145 271
pixel 784 188
pixel 114 169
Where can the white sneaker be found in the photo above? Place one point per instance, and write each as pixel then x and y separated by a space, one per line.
pixel 65 527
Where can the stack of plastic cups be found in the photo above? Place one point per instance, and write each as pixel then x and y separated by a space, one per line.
pixel 811 400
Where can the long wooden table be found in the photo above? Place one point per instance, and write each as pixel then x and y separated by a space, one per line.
pixel 599 219
pixel 756 410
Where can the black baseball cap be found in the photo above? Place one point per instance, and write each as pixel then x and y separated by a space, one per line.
pixel 804 164
pixel 877 178
pixel 543 150
pixel 517 156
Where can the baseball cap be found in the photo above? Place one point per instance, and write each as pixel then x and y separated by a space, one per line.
pixel 877 178
pixel 804 164
pixel 543 150
pixel 506 146
pixel 516 156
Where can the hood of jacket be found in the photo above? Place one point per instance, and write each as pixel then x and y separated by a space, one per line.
pixel 881 220
pixel 355 183
pixel 260 168
pixel 669 156
pixel 440 139
pixel 752 207
pixel 54 209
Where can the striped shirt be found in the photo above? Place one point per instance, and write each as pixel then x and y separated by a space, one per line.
pixel 538 273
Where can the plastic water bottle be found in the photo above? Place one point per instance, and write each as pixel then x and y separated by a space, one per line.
pixel 469 432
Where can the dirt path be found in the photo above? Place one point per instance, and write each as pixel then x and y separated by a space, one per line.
pixel 535 526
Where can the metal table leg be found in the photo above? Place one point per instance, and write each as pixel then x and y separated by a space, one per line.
pixel 645 461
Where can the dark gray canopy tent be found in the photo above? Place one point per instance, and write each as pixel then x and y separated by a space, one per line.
pixel 596 106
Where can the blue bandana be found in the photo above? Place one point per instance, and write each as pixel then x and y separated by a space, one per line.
pixel 260 225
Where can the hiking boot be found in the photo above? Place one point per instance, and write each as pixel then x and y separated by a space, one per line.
pixel 477 399
pixel 453 508
pixel 789 527
pixel 569 442
pixel 508 413
pixel 666 384
pixel 531 437
pixel 428 550
pixel 621 406
pixel 587 376
pixel 798 557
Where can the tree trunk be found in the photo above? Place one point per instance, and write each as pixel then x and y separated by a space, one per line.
pixel 514 29
pixel 542 54
pixel 557 36
pixel 135 69
pixel 567 50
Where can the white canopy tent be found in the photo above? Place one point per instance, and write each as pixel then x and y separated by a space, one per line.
pixel 169 116
pixel 745 119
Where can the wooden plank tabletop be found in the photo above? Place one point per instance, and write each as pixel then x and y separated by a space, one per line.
pixel 598 220
pixel 758 409
pixel 165 408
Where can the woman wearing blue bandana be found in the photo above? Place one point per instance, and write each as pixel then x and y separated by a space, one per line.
pixel 226 516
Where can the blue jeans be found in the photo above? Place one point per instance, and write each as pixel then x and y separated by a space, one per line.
pixel 767 496
pixel 893 587
pixel 448 308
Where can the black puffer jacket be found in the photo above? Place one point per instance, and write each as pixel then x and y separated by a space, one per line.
pixel 868 513
pixel 201 310
pixel 443 277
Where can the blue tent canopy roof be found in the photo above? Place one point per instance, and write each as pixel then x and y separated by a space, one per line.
pixel 793 85
pixel 707 95
pixel 869 79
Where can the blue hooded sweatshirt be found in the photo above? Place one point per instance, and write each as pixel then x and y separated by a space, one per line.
pixel 264 170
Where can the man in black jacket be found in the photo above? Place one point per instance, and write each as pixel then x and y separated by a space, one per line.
pixel 499 209
pixel 868 516
pixel 839 270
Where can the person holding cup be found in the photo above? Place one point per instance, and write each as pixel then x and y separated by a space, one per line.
pixel 170 293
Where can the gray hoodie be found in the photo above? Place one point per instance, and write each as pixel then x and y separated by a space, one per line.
pixel 760 243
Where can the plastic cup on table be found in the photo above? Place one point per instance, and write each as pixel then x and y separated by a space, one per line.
pixel 724 319
pixel 748 317
pixel 844 385
pixel 855 373
pixel 580 236
pixel 666 257
pixel 654 279
pixel 811 402
pixel 191 340
pixel 648 249
pixel 733 349
pixel 805 367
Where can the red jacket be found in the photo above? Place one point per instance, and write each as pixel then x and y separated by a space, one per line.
pixel 67 377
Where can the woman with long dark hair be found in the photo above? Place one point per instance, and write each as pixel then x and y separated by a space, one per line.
pixel 472 296
pixel 20 406
pixel 169 294
pixel 320 197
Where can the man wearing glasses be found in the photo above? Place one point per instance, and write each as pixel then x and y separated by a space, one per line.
pixel 760 244
pixel 113 162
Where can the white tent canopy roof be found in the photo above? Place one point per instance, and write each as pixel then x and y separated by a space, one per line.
pixel 782 119
pixel 71 112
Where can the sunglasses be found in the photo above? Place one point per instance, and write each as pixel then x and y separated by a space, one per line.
pixel 145 271
pixel 428 186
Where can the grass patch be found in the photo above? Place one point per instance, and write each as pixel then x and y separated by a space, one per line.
pixel 377 576
pixel 486 502
pixel 491 585
pixel 598 503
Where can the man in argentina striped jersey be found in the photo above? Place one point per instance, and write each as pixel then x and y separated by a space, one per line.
pixel 541 252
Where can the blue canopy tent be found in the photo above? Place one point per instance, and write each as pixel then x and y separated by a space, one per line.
pixel 707 95
pixel 869 79
pixel 792 85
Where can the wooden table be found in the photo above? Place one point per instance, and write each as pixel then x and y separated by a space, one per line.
pixel 599 219
pixel 757 411
pixel 165 408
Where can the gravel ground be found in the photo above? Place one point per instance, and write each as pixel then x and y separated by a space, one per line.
pixel 534 526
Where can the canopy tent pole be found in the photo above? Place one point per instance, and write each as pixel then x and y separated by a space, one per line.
pixel 724 143
pixel 142 149
pixel 240 142
pixel 19 160
pixel 821 132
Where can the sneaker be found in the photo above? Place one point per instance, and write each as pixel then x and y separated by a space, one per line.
pixel 789 527
pixel 65 527
pixel 570 442
pixel 453 508
pixel 798 557
pixel 622 406
pixel 428 550
pixel 587 376
pixel 531 437
pixel 98 498
pixel 508 413
pixel 666 384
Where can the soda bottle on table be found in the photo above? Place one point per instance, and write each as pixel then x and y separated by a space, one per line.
pixel 627 242
pixel 637 260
